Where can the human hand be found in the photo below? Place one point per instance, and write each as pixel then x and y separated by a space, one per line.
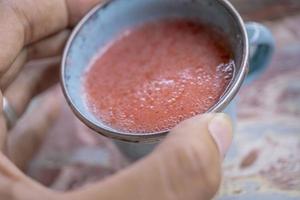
pixel 185 166
pixel 30 30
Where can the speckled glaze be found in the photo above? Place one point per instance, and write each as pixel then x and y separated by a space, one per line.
pixel 106 20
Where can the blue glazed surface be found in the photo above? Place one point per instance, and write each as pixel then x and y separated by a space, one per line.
pixel 108 21
pixel 261 49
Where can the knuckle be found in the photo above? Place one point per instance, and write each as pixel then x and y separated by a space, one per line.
pixel 20 10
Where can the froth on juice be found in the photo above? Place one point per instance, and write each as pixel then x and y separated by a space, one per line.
pixel 155 75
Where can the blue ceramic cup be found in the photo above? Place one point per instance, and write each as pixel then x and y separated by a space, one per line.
pixel 251 44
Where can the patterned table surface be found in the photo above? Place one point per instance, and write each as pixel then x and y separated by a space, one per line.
pixel 264 162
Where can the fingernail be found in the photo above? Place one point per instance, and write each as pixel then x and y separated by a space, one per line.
pixel 220 127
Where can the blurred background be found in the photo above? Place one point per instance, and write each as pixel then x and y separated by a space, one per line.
pixel 264 161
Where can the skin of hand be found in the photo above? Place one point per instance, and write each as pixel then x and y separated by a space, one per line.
pixel 186 165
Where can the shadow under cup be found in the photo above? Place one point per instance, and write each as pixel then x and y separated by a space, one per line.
pixel 106 21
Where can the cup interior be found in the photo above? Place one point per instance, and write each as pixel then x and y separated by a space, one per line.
pixel 107 20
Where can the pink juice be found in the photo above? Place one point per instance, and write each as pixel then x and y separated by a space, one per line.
pixel 155 75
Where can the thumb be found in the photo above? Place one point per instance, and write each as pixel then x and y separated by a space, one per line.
pixel 192 156
pixel 187 165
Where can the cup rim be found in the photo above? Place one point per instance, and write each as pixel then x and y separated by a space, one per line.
pixel 226 98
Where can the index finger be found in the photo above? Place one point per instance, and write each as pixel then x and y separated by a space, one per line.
pixel 25 21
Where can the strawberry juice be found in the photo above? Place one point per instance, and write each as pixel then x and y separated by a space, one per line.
pixel 157 74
